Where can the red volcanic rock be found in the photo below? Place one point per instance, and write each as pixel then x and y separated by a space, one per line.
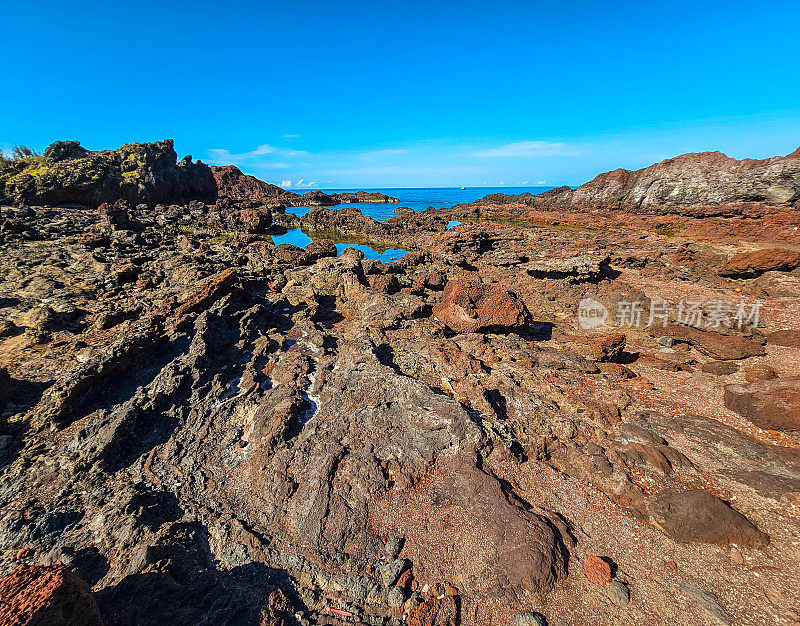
pixel 749 264
pixel 443 612
pixel 385 283
pixel 34 595
pixel 698 516
pixel 597 570
pixel 208 291
pixel 469 305
pixel 243 188
pixel 769 404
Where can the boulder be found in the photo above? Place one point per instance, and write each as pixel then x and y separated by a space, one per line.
pixel 770 404
pixel 751 264
pixel 469 306
pixel 697 516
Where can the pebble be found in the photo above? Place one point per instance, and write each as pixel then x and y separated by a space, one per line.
pixel 529 619
pixel 707 601
pixel 665 341
pixel 618 593
pixel 597 570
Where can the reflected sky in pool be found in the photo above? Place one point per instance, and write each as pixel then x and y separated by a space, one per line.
pixel 297 237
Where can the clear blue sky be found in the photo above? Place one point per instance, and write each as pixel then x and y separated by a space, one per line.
pixel 370 94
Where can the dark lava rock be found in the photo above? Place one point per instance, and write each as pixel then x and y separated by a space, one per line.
pixel 136 172
pixel 698 516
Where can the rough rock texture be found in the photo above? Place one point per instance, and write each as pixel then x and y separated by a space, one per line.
pixel 770 404
pixel 32 595
pixel 700 516
pixel 469 305
pixel 702 184
pixel 207 427
pixel 749 264
pixel 136 172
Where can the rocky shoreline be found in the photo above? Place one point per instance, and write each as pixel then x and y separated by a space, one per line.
pixel 578 407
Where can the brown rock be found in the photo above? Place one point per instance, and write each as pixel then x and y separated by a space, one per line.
pixel 749 264
pixel 713 344
pixel 34 595
pixel 436 612
pixel 698 516
pixel 769 404
pixel 754 373
pixel 469 305
pixel 597 570
pixel 720 368
pixel 385 283
pixel 321 248
pixel 786 338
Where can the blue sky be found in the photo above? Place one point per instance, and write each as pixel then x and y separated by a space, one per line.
pixel 371 94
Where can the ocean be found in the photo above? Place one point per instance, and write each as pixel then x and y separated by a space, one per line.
pixel 417 199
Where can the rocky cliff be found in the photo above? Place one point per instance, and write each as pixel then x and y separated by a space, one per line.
pixel 148 173
pixel 137 173
pixel 697 184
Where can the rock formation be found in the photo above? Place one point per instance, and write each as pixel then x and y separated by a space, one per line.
pixel 197 425
pixel 702 184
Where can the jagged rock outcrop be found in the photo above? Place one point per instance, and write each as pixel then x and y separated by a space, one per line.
pixel 699 184
pixel 137 173
pixel 356 197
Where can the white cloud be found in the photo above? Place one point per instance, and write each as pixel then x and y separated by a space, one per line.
pixel 223 155
pixel 286 183
pixel 541 182
pixel 522 183
pixel 291 136
pixel 525 149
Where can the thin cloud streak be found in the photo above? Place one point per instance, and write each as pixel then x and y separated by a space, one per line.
pixel 527 149
pixel 222 154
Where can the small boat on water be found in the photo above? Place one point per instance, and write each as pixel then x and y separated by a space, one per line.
pixel 463 188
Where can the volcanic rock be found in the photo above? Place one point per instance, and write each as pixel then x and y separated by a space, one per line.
pixel 469 305
pixel 769 404
pixel 785 338
pixel 137 172
pixel 597 570
pixel 46 596
pixel 711 343
pixel 698 516
pixel 750 264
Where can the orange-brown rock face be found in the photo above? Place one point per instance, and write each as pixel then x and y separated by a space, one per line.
pixel 470 305
pixel 32 595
